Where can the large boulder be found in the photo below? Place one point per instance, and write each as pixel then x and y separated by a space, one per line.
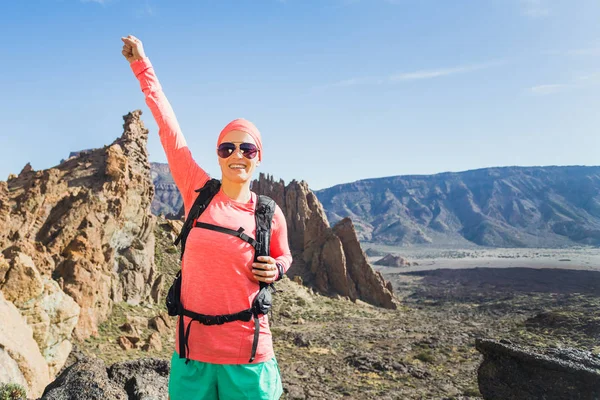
pixel 513 372
pixel 392 260
pixel 90 379
pixel 86 379
pixel 50 313
pixel 20 358
pixel 142 379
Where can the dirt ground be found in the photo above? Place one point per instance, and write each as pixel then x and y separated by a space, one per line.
pixel 330 348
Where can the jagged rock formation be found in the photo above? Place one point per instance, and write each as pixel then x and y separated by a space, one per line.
pixel 90 379
pixel 76 238
pixel 504 207
pixel 511 372
pixel 330 259
pixel 167 199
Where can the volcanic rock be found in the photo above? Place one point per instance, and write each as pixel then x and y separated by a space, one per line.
pixel 153 342
pixel 329 259
pixel 20 357
pixel 90 379
pixel 86 379
pixel 512 372
pixel 85 223
pixel 392 260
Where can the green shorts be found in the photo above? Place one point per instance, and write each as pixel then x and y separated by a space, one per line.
pixel 204 381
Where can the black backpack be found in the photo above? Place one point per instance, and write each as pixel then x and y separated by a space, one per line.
pixel 261 304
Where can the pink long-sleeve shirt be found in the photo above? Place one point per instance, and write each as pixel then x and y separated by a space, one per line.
pixel 216 267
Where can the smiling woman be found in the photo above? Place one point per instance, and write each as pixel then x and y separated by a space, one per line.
pixel 212 357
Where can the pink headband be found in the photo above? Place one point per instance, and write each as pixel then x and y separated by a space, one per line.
pixel 244 126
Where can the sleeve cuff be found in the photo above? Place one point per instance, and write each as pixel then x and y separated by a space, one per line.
pixel 139 66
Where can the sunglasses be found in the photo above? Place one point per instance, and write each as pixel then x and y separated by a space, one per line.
pixel 226 149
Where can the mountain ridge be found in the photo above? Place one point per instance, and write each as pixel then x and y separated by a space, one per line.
pixel 550 206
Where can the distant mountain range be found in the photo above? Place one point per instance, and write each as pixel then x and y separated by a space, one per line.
pixel 167 199
pixel 497 207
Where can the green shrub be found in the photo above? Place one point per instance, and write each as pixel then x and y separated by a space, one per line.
pixel 425 356
pixel 12 391
pixel 472 392
pixel 171 250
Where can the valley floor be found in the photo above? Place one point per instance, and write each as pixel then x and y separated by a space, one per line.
pixel 428 258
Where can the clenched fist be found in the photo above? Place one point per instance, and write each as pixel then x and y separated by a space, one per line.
pixel 132 48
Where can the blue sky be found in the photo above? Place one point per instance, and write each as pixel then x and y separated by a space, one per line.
pixel 341 89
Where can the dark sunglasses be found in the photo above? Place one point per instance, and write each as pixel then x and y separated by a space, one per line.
pixel 248 150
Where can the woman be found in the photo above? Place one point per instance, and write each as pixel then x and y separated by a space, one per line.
pixel 218 270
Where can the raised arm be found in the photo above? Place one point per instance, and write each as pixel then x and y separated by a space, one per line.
pixel 187 174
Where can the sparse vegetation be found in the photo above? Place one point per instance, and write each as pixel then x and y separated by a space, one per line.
pixel 12 391
pixel 425 356
pixel 472 392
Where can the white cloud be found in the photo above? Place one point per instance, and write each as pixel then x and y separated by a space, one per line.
pixel 95 1
pixel 578 82
pixel 436 73
pixel 411 76
pixel 548 88
pixel 534 8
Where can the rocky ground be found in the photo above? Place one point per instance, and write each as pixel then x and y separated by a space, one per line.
pixel 332 348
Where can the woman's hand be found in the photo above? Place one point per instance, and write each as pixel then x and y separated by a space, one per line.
pixel 265 270
pixel 132 48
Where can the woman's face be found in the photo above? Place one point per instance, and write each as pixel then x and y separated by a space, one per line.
pixel 237 168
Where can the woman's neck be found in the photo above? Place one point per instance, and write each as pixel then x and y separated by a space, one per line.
pixel 239 192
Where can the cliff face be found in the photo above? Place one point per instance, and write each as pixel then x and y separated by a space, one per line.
pixel 330 259
pixel 504 207
pixel 76 238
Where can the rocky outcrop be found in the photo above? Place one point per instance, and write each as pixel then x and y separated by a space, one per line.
pixel 20 358
pixel 76 238
pixel 47 309
pixel 329 259
pixel 512 372
pixel 366 280
pixel 392 260
pixel 90 379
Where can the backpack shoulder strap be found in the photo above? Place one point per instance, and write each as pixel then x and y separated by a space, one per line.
pixel 265 209
pixel 205 195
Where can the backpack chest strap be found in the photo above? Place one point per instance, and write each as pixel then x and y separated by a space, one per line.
pixel 239 233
